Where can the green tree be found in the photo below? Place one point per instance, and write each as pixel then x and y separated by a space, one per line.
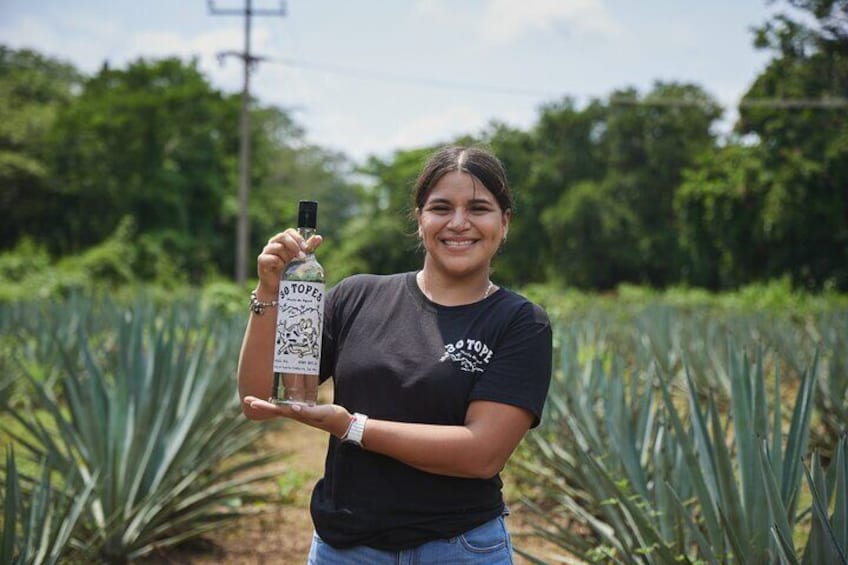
pixel 287 169
pixel 589 230
pixel 542 164
pixel 719 207
pixel 804 140
pixel 603 180
pixel 33 88
pixel 380 238
pixel 648 142
pixel 153 142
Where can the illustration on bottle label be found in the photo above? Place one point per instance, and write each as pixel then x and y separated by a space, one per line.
pixel 300 315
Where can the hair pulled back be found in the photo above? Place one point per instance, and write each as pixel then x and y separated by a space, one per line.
pixel 478 162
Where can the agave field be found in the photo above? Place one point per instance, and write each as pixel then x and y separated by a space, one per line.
pixel 700 433
pixel 122 428
pixel 676 431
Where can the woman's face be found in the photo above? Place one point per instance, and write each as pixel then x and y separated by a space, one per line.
pixel 461 225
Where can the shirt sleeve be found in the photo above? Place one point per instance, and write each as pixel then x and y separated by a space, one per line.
pixel 520 371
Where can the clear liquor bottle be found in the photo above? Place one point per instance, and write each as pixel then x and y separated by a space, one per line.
pixel 300 319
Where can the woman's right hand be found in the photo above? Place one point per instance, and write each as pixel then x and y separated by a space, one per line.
pixel 277 253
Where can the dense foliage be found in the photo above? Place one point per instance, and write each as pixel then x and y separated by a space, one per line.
pixel 146 156
pixel 682 433
pixel 630 188
pixel 678 425
pixel 130 410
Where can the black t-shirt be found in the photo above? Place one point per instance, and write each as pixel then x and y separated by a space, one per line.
pixel 395 355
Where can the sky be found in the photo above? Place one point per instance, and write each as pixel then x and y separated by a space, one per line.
pixel 370 77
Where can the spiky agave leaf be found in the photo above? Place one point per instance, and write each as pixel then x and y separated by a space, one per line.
pixel 829 535
pixel 39 521
pixel 156 417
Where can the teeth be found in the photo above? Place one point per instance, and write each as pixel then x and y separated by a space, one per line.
pixel 458 243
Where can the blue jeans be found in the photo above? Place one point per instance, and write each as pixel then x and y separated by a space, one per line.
pixel 488 544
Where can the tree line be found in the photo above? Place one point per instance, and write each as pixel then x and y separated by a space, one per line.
pixel 633 187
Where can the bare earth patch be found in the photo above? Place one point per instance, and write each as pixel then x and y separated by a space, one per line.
pixel 282 534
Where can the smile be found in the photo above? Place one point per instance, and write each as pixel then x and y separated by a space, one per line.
pixel 459 242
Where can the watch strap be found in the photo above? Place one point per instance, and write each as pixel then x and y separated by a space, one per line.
pixel 356 429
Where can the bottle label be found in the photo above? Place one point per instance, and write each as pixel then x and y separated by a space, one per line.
pixel 300 318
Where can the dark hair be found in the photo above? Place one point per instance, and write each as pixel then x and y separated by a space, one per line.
pixel 478 162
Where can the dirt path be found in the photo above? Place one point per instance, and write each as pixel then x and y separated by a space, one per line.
pixel 282 534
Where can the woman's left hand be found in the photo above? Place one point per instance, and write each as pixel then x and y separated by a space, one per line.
pixel 331 418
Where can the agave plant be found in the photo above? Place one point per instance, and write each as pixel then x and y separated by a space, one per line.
pixel 828 538
pixel 670 336
pixel 828 542
pixel 38 524
pixel 31 332
pixel 833 396
pixel 150 416
pixel 616 458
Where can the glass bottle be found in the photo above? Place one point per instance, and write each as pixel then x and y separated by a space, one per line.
pixel 300 319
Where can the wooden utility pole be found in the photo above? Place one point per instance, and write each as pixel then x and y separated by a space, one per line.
pixel 243 228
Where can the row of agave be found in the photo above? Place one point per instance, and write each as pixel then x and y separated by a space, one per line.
pixel 125 430
pixel 130 415
pixel 681 436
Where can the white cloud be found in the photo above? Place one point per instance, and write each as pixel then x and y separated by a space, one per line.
pixel 506 20
pixel 87 41
pixel 347 132
pixel 94 26
pixel 432 8
pixel 226 72
pixel 74 39
pixel 24 31
pixel 156 44
pixel 437 127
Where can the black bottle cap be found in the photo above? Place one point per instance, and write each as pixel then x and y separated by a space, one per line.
pixel 307 214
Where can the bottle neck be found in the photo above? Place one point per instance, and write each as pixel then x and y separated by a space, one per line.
pixel 306 233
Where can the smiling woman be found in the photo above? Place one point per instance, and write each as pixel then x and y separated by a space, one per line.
pixel 461 222
pixel 437 375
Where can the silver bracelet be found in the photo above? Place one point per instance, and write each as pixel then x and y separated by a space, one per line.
pixel 257 306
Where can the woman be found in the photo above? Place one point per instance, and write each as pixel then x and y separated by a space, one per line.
pixel 437 376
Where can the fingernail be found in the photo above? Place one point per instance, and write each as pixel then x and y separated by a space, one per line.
pixel 296 407
pixel 301 255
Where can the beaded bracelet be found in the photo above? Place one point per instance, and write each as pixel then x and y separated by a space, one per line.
pixel 257 306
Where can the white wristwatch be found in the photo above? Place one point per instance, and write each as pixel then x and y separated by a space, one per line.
pixel 356 429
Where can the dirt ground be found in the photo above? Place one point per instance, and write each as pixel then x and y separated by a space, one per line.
pixel 282 535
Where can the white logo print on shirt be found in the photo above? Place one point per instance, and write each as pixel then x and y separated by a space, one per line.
pixel 471 354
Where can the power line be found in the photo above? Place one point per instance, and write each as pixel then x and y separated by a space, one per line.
pixel 249 60
pixel 391 77
pixel 823 103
